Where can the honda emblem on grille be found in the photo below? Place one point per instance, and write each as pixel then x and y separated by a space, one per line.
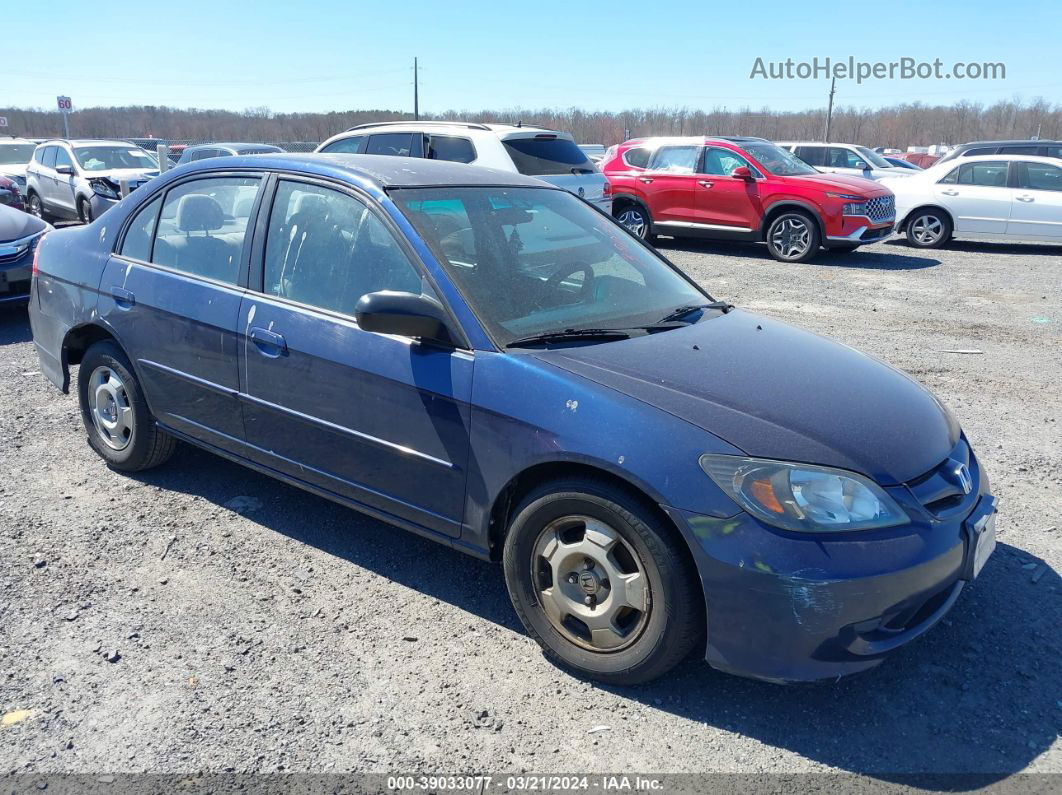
pixel 964 478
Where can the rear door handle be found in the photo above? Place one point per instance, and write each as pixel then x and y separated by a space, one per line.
pixel 269 343
pixel 1025 198
pixel 705 183
pixel 950 192
pixel 646 180
pixel 123 297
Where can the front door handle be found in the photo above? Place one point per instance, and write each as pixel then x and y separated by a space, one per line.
pixel 646 180
pixel 950 192
pixel 124 298
pixel 705 183
pixel 1024 198
pixel 269 343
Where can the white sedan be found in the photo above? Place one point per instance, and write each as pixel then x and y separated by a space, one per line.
pixel 993 197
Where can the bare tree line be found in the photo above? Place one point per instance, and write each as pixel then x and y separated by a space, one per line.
pixel 898 126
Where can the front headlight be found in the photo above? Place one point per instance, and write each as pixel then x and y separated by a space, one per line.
pixel 803 497
pixel 103 188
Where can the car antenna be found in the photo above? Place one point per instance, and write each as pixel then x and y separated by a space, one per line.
pixel 519 122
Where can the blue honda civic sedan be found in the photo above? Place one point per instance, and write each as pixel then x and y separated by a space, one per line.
pixel 488 361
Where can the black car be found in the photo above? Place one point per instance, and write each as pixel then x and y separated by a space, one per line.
pixel 1015 147
pixel 19 235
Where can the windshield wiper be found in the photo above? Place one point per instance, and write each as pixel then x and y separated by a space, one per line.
pixel 601 334
pixel 682 311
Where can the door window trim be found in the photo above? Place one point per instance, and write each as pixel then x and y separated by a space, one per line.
pixel 255 283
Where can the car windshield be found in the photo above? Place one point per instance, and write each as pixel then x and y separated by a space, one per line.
pixel 107 158
pixel 873 157
pixel 16 154
pixel 777 160
pixel 537 261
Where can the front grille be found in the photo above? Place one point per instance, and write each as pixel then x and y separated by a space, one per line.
pixel 881 208
pixel 947 486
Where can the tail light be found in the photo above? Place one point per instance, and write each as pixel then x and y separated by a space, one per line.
pixel 35 270
pixel 607 190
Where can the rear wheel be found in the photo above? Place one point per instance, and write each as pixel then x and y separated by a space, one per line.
pixel 793 237
pixel 600 583
pixel 34 206
pixel 636 219
pixel 120 425
pixel 928 229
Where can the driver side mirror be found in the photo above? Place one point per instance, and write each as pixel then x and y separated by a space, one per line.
pixel 862 166
pixel 403 314
pixel 742 172
pixel 68 170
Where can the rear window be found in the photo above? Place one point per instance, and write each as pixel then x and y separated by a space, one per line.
pixel 540 156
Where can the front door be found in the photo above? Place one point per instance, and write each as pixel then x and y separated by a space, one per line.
pixel 172 294
pixel 977 196
pixel 1037 208
pixel 378 419
pixel 723 201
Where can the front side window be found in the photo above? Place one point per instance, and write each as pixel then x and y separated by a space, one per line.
pixel 137 243
pixel 345 146
pixel 722 162
pixel 676 159
pixel 327 249
pixel 536 260
pixel 990 174
pixel 1039 176
pixel 203 226
pixel 777 160
pixel 449 147
pixel 15 154
pixel 62 158
pixel 396 144
pixel 106 158
pixel 546 155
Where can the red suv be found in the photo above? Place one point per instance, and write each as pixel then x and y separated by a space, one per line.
pixel 743 189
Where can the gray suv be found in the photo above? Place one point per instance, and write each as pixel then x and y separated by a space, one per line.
pixel 82 179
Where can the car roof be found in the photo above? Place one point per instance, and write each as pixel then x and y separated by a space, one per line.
pixel 1006 158
pixel 88 142
pixel 1011 142
pixel 699 140
pixel 228 145
pixel 373 171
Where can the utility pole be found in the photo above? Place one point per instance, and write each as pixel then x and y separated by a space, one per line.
pixel 829 112
pixel 416 93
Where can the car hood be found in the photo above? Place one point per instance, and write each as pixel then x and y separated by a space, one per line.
pixel 15 225
pixel 776 391
pixel 13 170
pixel 866 187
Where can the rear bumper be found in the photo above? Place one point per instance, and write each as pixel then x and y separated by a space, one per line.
pixel 784 608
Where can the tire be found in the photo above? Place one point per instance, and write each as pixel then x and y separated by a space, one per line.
pixel 636 220
pixel 127 437
pixel 560 520
pixel 84 211
pixel 34 206
pixel 928 228
pixel 793 237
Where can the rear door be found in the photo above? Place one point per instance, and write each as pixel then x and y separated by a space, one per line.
pixel 46 175
pixel 558 160
pixel 977 196
pixel 378 419
pixel 669 184
pixel 172 294
pixel 722 200
pixel 1037 208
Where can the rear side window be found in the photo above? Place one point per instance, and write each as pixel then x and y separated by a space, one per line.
pixel 676 159
pixel 992 174
pixel 1053 151
pixel 137 243
pixel 1019 150
pixel 395 144
pixel 203 224
pixel 983 150
pixel 812 155
pixel 1039 176
pixel 637 157
pixel 537 157
pixel 449 147
pixel 345 146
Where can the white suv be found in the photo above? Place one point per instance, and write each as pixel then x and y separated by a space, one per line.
pixel 535 152
pixel 858 161
pixel 15 153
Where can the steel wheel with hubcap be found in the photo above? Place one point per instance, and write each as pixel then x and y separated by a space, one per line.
pixel 635 219
pixel 928 229
pixel 605 585
pixel 35 206
pixel 121 428
pixel 793 237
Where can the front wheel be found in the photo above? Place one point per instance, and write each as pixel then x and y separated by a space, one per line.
pixel 793 237
pixel 636 219
pixel 600 583
pixel 928 229
pixel 84 211
pixel 121 428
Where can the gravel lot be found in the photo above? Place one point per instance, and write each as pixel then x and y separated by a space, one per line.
pixel 147 625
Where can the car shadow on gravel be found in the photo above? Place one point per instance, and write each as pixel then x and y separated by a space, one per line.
pixel 871 257
pixel 991 247
pixel 977 695
pixel 14 325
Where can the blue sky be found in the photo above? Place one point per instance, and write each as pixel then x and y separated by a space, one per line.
pixel 333 55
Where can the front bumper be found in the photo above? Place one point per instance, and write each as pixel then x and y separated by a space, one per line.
pixel 786 607
pixel 15 278
pixel 100 204
pixel 862 234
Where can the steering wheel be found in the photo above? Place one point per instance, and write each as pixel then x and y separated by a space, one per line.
pixel 568 269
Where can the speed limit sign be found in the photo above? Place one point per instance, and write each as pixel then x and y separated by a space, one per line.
pixel 65 105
